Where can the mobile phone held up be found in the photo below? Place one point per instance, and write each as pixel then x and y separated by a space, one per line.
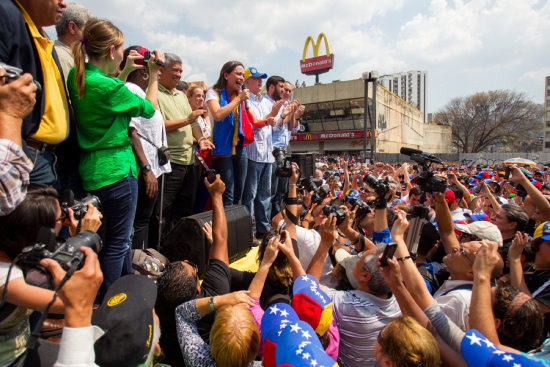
pixel 389 251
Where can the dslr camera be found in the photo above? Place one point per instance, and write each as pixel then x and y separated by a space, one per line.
pixel 13 73
pixel 339 214
pixel 380 187
pixel 147 57
pixel 79 208
pixel 284 165
pixel 66 253
pixel 362 207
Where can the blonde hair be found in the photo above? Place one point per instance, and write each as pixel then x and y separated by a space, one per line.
pixel 234 338
pixel 409 344
pixel 97 38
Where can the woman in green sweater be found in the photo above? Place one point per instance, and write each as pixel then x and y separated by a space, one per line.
pixel 103 106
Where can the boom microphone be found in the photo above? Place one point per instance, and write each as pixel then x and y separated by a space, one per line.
pixel 246 104
pixel 420 156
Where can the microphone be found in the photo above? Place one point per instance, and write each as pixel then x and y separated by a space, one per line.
pixel 246 103
pixel 410 151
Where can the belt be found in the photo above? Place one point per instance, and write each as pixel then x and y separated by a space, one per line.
pixel 38 145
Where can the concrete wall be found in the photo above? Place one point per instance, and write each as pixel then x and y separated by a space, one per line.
pixel 437 138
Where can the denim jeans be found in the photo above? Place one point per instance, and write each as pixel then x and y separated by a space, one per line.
pixel 279 188
pixel 144 211
pixel 257 194
pixel 43 172
pixel 118 202
pixel 232 171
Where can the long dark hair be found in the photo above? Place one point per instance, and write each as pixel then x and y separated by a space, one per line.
pixel 228 67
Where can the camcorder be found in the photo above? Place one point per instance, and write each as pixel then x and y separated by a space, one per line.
pixel 380 186
pixel 66 252
pixel 284 165
pixel 13 73
pixel 426 179
pixel 79 208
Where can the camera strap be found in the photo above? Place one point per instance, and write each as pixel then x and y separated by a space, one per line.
pixel 292 217
pixel 149 141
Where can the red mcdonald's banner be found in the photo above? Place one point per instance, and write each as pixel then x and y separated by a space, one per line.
pixel 335 135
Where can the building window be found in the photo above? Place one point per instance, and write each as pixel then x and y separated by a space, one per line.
pixel 547 144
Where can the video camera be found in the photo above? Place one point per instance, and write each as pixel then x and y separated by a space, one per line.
pixel 147 57
pixel 13 73
pixel 66 253
pixel 284 165
pixel 79 208
pixel 315 185
pixel 426 179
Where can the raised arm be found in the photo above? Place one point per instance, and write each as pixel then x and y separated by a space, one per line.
pixel 328 236
pixel 445 223
pixel 536 196
pixel 218 250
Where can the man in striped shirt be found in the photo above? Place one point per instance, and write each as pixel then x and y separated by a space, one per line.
pixel 361 313
pixel 257 187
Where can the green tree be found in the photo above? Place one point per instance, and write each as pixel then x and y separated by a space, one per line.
pixel 484 119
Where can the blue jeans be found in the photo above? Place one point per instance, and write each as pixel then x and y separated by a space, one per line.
pixel 279 188
pixel 257 194
pixel 232 171
pixel 43 172
pixel 118 202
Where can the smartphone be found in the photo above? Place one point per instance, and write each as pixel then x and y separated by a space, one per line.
pixel 389 251
pixel 507 173
pixel 283 236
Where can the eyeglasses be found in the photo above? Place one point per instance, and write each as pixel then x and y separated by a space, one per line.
pixel 465 254
pixel 194 266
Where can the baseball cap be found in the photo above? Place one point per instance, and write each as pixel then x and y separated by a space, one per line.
pixel 482 229
pixel 352 194
pixel 274 320
pixel 477 350
pixel 450 196
pixel 299 346
pixel 347 261
pixel 311 304
pixel 478 216
pixel 252 72
pixel 542 231
pixel 126 317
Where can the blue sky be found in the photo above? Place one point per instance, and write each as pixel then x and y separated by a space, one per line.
pixel 466 47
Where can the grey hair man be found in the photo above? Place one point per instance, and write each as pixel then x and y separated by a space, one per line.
pixel 69 31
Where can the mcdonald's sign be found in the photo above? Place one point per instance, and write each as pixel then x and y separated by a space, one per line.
pixel 317 64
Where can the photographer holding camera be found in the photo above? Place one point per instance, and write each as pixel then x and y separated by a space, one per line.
pixel 20 228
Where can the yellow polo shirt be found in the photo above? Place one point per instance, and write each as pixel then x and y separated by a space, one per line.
pixel 54 126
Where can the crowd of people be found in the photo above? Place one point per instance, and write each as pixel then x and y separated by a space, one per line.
pixel 388 264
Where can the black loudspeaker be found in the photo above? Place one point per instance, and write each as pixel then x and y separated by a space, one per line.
pixel 306 162
pixel 187 241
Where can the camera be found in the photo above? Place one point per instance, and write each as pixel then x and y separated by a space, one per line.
pixel 310 183
pixel 284 166
pixel 79 208
pixel 13 73
pixel 147 57
pixel 66 253
pixel 362 208
pixel 430 183
pixel 380 187
pixel 320 194
pixel 426 179
pixel 339 214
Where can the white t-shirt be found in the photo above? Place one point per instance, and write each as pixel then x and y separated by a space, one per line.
pixel 455 304
pixel 308 241
pixel 152 129
pixel 15 272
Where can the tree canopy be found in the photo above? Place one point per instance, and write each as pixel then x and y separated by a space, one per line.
pixel 487 118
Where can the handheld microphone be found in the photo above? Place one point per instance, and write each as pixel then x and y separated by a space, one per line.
pixel 246 103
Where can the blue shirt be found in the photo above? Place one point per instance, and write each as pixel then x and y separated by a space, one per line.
pixel 281 134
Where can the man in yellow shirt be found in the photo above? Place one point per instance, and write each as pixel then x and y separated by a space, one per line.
pixel 22 39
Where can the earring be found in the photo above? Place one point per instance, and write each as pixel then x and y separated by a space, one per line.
pixel 145 77
pixel 112 57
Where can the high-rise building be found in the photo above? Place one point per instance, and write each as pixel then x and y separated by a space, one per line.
pixel 411 86
pixel 547 114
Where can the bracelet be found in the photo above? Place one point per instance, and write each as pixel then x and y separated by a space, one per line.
pixel 403 259
pixel 211 304
pixel 291 201
pixel 201 138
pixel 292 184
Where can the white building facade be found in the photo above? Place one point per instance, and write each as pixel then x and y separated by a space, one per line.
pixel 411 86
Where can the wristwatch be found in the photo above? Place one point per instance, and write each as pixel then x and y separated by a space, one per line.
pixel 146 168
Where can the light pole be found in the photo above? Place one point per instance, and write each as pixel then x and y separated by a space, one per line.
pixel 367 77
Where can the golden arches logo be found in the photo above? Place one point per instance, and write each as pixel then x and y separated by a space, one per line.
pixel 308 137
pixel 316 46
